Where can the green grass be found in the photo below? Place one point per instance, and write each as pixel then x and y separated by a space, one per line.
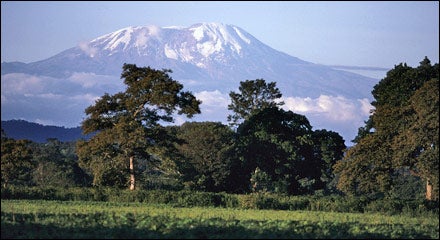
pixel 87 219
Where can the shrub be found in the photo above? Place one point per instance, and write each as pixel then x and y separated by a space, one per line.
pixel 259 200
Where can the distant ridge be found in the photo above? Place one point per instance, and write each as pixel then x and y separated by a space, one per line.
pixel 21 129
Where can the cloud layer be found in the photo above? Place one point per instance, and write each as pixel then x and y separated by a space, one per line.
pixel 53 101
pixel 62 102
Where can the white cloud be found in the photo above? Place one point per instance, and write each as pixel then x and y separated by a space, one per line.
pixel 338 109
pixel 91 80
pixel 63 101
pixel 154 30
pixel 214 107
pixel 335 113
pixel 86 80
pixel 141 38
pixel 52 100
pixel 366 107
pixel 22 83
pixel 90 51
pixel 214 99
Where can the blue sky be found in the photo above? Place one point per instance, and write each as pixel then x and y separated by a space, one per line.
pixel 379 34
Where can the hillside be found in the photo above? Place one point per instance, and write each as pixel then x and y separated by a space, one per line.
pixel 20 129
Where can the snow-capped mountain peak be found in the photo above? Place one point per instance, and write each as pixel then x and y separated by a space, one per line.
pixel 213 55
pixel 213 37
pixel 208 58
pixel 188 44
pixel 126 38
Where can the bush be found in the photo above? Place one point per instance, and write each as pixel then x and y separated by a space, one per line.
pixel 298 203
pixel 259 200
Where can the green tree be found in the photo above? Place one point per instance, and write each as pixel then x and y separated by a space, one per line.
pixel 380 155
pixel 279 143
pixel 126 123
pixel 254 96
pixel 363 170
pixel 16 161
pixel 206 147
pixel 417 146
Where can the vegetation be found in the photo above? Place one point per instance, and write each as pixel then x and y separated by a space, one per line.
pixel 401 138
pixel 16 160
pixel 268 158
pixel 78 219
pixel 258 200
pixel 254 96
pixel 127 124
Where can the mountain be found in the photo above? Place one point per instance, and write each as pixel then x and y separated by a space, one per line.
pixel 209 59
pixel 210 55
pixel 20 129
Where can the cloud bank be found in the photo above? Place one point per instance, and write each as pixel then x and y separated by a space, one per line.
pixel 48 100
pixel 62 102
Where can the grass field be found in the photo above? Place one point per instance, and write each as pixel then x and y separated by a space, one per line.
pixel 88 219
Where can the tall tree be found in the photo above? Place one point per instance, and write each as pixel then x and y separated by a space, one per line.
pixel 125 123
pixel 376 152
pixel 417 146
pixel 254 96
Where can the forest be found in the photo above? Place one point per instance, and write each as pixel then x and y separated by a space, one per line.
pixel 263 149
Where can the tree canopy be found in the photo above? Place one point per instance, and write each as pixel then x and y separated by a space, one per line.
pixel 253 96
pixel 402 133
pixel 126 123
pixel 279 143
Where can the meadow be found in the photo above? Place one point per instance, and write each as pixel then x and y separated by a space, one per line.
pixel 103 219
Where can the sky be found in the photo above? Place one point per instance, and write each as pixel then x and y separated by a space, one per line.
pixel 375 34
pixel 360 33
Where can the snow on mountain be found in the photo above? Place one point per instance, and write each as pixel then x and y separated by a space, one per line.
pixel 208 58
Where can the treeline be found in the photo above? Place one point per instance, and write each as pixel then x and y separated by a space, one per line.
pixel 263 149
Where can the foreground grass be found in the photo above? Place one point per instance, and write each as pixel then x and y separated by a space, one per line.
pixel 87 219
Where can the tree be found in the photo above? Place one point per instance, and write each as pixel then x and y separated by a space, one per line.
pixel 278 143
pixel 417 146
pixel 206 163
pixel 126 123
pixel 364 169
pixel 386 146
pixel 254 96
pixel 16 160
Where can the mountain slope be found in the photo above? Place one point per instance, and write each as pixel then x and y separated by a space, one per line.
pixel 20 129
pixel 209 55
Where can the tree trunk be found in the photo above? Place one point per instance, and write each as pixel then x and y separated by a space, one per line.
pixel 132 173
pixel 428 190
